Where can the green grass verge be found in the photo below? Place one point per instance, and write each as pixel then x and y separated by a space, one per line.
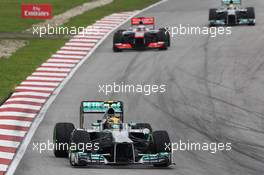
pixel 21 64
pixel 117 6
pixel 16 68
pixel 10 12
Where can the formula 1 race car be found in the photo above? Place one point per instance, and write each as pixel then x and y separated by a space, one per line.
pixel 142 35
pixel 231 13
pixel 110 141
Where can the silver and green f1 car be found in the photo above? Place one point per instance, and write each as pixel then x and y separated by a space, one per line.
pixel 111 140
pixel 231 13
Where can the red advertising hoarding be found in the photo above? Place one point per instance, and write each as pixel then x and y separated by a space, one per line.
pixel 36 11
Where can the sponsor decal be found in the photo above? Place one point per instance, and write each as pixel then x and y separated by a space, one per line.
pixel 36 11
pixel 143 21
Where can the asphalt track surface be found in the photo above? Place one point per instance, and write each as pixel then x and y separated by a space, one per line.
pixel 214 94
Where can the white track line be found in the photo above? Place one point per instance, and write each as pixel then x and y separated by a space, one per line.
pixel 31 94
pixel 49 74
pixel 72 52
pixel 44 78
pixel 20 106
pixel 83 36
pixel 80 44
pixel 108 21
pixel 8 143
pixel 92 31
pixel 34 88
pixel 120 19
pixel 62 60
pixel 15 123
pixel 77 48
pixel 12 132
pixel 53 69
pixel 103 27
pixel 58 65
pixel 6 155
pixel 102 24
pixel 28 83
pixel 3 167
pixel 96 29
pixel 18 114
pixel 67 56
pixel 27 100
pixel 84 40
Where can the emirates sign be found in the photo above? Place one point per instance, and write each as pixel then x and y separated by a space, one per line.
pixel 36 11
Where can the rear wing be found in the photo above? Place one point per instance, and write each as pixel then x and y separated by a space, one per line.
pixel 143 21
pixel 227 2
pixel 100 107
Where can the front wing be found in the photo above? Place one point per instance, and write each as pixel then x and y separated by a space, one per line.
pixel 223 22
pixel 99 159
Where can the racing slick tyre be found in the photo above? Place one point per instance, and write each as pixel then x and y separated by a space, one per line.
pixel 164 36
pixel 212 16
pixel 251 14
pixel 117 39
pixel 142 126
pixel 160 141
pixel 79 143
pixel 61 138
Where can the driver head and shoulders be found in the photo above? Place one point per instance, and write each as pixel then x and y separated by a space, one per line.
pixel 110 118
pixel 231 4
pixel 141 27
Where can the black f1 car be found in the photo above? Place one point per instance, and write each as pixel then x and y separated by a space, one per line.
pixel 231 13
pixel 110 141
pixel 142 35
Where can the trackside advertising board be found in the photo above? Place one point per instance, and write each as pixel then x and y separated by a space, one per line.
pixel 36 11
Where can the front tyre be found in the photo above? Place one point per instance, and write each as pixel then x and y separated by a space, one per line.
pixel 118 36
pixel 80 142
pixel 61 138
pixel 251 15
pixel 164 36
pixel 160 141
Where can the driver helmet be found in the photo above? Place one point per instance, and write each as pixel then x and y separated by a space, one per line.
pixel 110 112
pixel 141 26
pixel 231 4
pixel 111 118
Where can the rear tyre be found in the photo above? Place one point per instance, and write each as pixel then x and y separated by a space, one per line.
pixel 212 16
pixel 142 126
pixel 61 138
pixel 160 140
pixel 251 14
pixel 118 36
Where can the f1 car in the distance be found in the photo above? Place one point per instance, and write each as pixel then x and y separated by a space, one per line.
pixel 117 142
pixel 231 13
pixel 142 35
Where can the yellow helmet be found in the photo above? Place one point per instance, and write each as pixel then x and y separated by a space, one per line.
pixel 113 120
